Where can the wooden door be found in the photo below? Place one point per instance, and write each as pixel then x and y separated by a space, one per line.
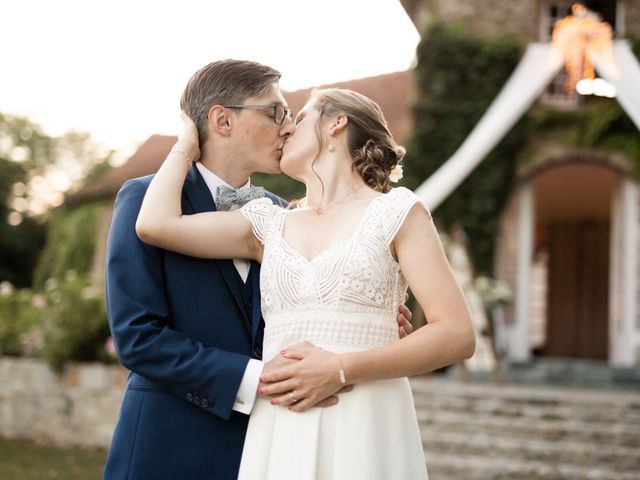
pixel 578 289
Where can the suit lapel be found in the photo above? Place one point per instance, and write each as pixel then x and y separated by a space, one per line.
pixel 199 197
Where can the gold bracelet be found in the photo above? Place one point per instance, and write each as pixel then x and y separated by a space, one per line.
pixel 343 379
pixel 186 157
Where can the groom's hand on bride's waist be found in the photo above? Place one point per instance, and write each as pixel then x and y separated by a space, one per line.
pixel 404 319
pixel 301 377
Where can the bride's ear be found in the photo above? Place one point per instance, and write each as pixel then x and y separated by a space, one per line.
pixel 220 120
pixel 338 124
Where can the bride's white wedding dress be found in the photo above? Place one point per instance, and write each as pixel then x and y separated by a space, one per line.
pixel 345 299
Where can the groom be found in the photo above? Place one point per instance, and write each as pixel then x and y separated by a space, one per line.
pixel 190 330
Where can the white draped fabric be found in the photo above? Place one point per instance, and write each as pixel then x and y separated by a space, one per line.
pixel 539 65
pixel 623 72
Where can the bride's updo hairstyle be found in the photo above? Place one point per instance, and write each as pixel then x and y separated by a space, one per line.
pixel 373 149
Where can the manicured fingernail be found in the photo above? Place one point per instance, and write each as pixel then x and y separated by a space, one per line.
pixel 283 352
pixel 260 391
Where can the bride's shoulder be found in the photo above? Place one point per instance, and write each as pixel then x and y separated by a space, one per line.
pixel 400 191
pixel 400 195
pixel 401 199
pixel 263 207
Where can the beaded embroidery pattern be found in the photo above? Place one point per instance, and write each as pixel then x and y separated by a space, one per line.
pixel 345 298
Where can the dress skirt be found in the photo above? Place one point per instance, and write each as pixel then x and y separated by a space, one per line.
pixel 372 433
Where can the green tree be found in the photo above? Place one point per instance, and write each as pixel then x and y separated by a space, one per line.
pixel 20 240
pixel 35 171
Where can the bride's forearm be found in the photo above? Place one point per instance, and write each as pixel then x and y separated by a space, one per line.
pixel 429 348
pixel 161 204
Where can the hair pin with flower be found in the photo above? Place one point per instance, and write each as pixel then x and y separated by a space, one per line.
pixel 396 174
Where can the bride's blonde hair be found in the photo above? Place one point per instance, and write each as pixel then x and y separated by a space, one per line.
pixel 374 151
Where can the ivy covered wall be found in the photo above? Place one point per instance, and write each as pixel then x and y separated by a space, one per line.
pixel 457 77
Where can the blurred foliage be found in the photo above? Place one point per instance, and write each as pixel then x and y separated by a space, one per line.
pixel 35 172
pixel 19 244
pixel 599 124
pixel 75 322
pixel 457 78
pixel 283 186
pixel 65 321
pixel 71 242
pixel 20 319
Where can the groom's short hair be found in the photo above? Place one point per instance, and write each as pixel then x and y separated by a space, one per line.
pixel 224 82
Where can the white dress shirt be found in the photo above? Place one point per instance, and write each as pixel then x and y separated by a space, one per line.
pixel 246 396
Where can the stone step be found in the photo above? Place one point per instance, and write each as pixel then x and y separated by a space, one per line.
pixel 444 466
pixel 618 434
pixel 488 431
pixel 434 387
pixel 560 372
pixel 503 448
pixel 533 408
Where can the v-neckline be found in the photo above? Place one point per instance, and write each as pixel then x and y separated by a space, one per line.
pixel 325 251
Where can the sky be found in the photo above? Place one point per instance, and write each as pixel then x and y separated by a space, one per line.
pixel 117 68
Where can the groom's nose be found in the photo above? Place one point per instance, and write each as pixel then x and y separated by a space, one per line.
pixel 287 127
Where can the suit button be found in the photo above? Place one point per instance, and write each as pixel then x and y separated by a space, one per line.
pixel 189 397
pixel 249 305
pixel 257 352
pixel 205 403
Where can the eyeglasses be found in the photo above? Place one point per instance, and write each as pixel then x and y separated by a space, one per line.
pixel 280 112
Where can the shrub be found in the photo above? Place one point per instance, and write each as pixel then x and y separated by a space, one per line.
pixel 75 323
pixel 67 321
pixel 20 313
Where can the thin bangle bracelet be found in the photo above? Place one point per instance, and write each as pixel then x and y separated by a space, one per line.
pixel 186 157
pixel 343 379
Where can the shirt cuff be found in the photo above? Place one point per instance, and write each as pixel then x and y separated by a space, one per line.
pixel 246 396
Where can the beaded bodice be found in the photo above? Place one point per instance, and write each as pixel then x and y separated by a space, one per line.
pixel 347 297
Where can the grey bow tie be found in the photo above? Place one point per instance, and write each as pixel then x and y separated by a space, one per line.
pixel 225 196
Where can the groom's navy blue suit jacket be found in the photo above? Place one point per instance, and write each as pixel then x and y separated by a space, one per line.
pixel 186 329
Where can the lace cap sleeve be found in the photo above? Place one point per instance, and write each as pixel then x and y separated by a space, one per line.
pixel 260 212
pixel 399 204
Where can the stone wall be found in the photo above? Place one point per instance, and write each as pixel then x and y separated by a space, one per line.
pixel 632 18
pixel 481 17
pixel 77 407
pixel 527 19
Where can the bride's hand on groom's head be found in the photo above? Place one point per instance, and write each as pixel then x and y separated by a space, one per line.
pixel 188 137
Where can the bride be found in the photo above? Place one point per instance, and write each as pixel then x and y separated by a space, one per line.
pixel 334 271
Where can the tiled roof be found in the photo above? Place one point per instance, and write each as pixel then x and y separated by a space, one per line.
pixel 147 159
pixel 391 91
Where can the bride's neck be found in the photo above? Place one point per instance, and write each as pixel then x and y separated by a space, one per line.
pixel 335 181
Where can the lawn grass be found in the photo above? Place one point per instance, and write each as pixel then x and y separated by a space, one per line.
pixel 24 460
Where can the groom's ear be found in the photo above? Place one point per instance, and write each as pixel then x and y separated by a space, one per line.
pixel 219 120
